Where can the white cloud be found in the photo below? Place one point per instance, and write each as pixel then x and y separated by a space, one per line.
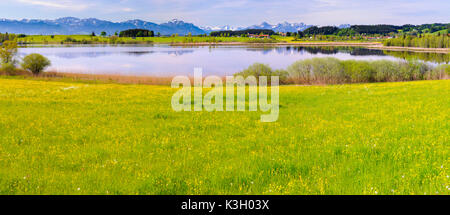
pixel 238 12
pixel 66 5
pixel 230 4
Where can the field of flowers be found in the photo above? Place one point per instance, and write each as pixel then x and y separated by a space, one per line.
pixel 79 138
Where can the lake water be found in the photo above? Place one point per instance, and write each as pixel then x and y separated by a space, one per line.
pixel 166 60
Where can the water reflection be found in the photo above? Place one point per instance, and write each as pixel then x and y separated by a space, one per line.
pixel 70 54
pixel 165 60
pixel 424 56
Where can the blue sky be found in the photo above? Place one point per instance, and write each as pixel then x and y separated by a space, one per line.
pixel 236 12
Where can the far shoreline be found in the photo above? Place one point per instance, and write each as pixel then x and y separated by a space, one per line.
pixel 369 45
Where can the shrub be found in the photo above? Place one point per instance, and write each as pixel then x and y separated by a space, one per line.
pixel 300 72
pixel 8 69
pixel 35 63
pixel 334 71
pixel 317 70
pixel 327 70
pixel 257 70
pixel 412 70
pixel 440 72
pixel 384 70
pixel 419 69
pixel 358 71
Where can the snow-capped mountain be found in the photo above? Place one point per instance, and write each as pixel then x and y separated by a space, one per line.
pixel 182 27
pixel 263 25
pixel 290 27
pixel 223 28
pixel 72 25
pixel 281 27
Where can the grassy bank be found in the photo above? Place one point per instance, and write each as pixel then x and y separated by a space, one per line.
pixel 91 78
pixel 78 138
pixel 86 39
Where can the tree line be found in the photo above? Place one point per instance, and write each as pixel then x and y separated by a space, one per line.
pixel 5 36
pixel 422 41
pixel 376 29
pixel 137 33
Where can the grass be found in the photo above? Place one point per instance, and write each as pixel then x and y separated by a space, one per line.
pixel 87 39
pixel 78 138
pixel 94 78
pixel 307 40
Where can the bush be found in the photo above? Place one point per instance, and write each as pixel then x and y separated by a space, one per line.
pixel 8 69
pixel 317 70
pixel 300 72
pixel 384 70
pixel 327 70
pixel 440 72
pixel 413 70
pixel 358 71
pixel 35 63
pixel 334 71
pixel 257 70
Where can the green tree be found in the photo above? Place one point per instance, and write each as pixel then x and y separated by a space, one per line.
pixel 35 63
pixel 8 51
pixel 103 34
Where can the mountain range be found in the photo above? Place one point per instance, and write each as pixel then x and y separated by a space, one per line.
pixel 72 25
pixel 282 27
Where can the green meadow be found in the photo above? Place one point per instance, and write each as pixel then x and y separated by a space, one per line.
pixel 86 138
pixel 87 39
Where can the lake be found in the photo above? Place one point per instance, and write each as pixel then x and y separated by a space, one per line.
pixel 166 60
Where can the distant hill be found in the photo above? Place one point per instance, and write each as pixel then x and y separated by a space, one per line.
pixel 281 27
pixel 72 25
